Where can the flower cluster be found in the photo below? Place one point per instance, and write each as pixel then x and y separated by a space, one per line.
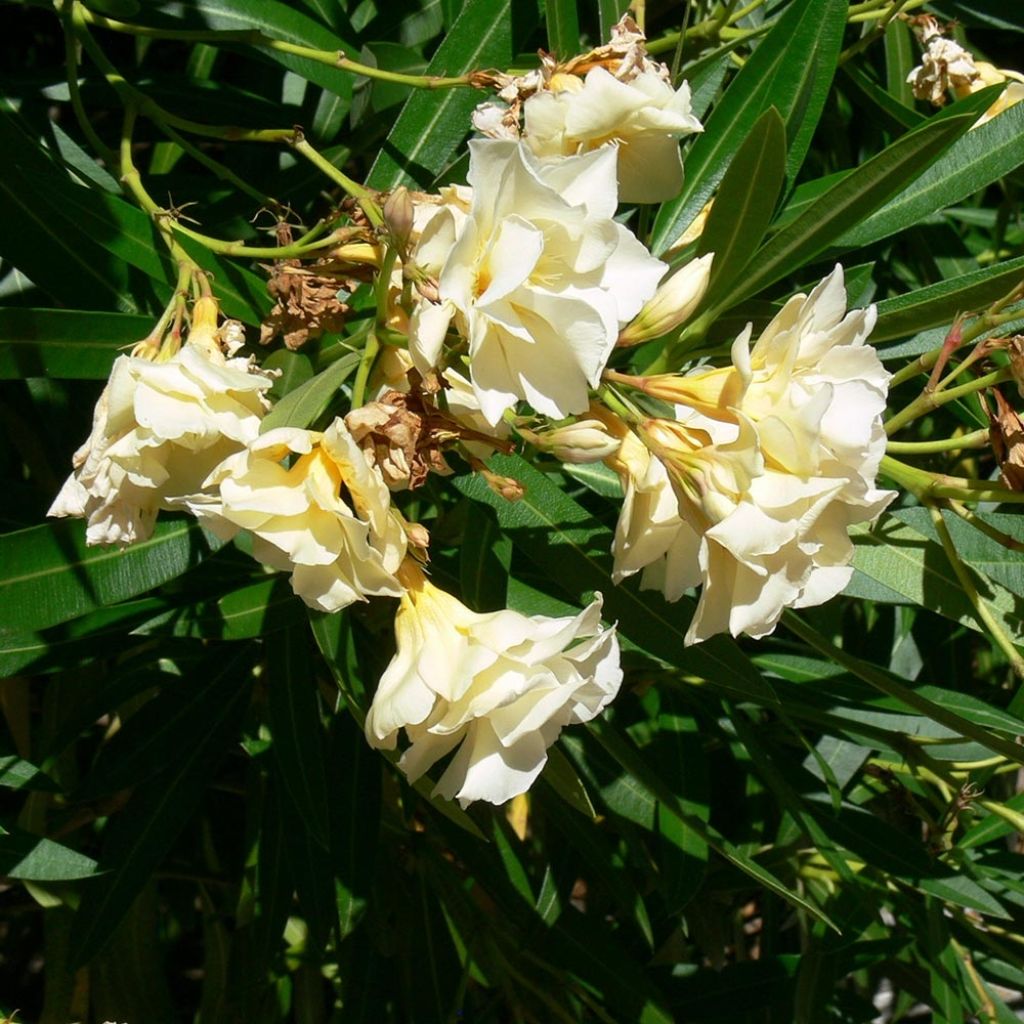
pixel 503 303
pixel 498 688
pixel 750 489
pixel 167 416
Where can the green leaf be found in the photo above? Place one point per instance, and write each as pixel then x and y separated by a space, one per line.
pixel 939 303
pixel 155 734
pixel 255 610
pixel 551 528
pixel 293 714
pixel 355 800
pixel 77 221
pixel 899 61
pixel 891 686
pixel 746 200
pixel 978 158
pixel 605 967
pixel 484 562
pixel 791 70
pixel 17 773
pixel 53 250
pixel 632 761
pixel 432 124
pixel 608 13
pixel 986 13
pixel 679 754
pixel 137 839
pixel 560 775
pixel 279 21
pixel 65 343
pixel 63 644
pixel 877 102
pixel 848 202
pixel 900 559
pixel 308 402
pixel 563 25
pixel 49 575
pixel 35 859
pixel 273 889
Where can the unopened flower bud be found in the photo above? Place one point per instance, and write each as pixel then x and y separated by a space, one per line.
pixel 583 441
pixel 203 331
pixel 418 537
pixel 398 216
pixel 509 489
pixel 672 304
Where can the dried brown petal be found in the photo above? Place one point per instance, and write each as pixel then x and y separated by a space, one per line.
pixel 311 300
pixel 403 438
pixel 1006 432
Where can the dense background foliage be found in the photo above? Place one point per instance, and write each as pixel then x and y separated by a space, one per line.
pixel 820 826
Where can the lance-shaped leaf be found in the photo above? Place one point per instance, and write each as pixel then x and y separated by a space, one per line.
pixel 49 575
pixel 791 70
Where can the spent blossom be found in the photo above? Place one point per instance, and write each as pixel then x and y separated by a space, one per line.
pixel 497 688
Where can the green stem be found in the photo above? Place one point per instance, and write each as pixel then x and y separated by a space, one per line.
pixel 927 486
pixel 254 37
pixel 931 400
pixel 607 396
pixel 922 364
pixel 103 151
pixel 365 366
pixel 975 439
pixel 362 195
pixel 985 618
pixel 872 15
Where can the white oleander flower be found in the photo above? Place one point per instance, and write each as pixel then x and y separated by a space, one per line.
pixel 650 535
pixel 772 460
pixel 499 687
pixel 643 116
pixel 316 507
pixel 538 278
pixel 162 423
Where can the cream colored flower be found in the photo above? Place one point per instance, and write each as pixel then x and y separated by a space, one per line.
pixel 771 461
pixel 650 534
pixel 496 688
pixel 988 75
pixel 538 278
pixel 644 116
pixel 580 442
pixel 315 507
pixel 158 429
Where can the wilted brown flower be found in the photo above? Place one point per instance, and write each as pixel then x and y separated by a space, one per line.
pixel 311 298
pixel 1006 433
pixel 402 436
